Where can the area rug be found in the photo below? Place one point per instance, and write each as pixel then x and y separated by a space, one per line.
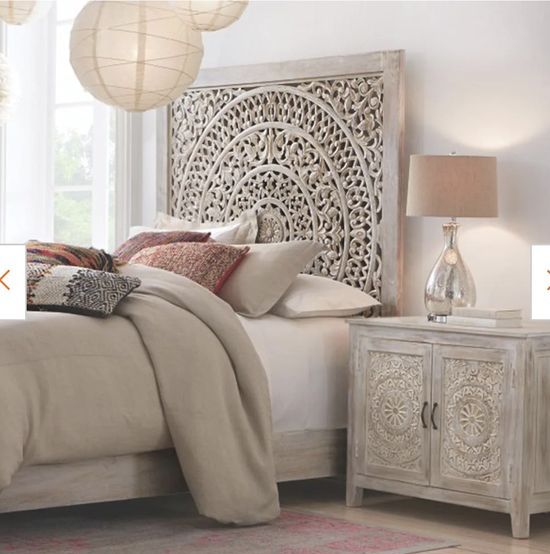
pixel 148 530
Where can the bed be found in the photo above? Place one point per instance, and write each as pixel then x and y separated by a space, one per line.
pixel 315 146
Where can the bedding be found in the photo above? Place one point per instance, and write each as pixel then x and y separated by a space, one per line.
pixel 266 273
pixel 133 245
pixel 76 290
pixel 240 231
pixel 57 253
pixel 209 264
pixel 306 362
pixel 313 296
pixel 173 365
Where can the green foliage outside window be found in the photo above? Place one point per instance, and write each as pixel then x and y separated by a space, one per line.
pixel 73 168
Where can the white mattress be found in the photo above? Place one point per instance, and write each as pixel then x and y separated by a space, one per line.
pixel 306 363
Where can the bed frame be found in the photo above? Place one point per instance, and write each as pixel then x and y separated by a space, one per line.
pixel 316 147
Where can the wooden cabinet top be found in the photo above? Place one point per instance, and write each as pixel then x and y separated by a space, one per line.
pixel 420 323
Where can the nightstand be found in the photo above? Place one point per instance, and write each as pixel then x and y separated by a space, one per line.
pixel 454 414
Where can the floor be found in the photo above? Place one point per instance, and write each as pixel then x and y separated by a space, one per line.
pixel 477 531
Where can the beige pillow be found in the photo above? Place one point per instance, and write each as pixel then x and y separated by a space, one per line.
pixel 240 231
pixel 311 296
pixel 265 274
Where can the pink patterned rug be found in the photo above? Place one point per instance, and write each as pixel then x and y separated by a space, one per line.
pixel 131 529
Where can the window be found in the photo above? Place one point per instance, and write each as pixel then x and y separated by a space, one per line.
pixel 66 153
pixel 84 150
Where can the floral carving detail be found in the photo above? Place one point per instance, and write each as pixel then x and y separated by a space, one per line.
pixel 472 436
pixel 307 156
pixel 270 228
pixel 472 419
pixel 396 411
pixel 394 400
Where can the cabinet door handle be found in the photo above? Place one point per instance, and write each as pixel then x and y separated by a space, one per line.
pixel 432 417
pixel 422 414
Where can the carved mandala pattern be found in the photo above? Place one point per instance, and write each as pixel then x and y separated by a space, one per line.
pixel 307 156
pixel 394 401
pixel 471 447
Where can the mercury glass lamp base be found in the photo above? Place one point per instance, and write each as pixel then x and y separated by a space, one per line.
pixel 450 283
pixel 434 318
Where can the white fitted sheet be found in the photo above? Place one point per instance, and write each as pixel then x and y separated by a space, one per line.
pixel 306 363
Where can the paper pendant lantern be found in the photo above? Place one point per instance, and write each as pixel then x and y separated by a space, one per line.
pixel 210 15
pixel 6 89
pixel 17 12
pixel 134 55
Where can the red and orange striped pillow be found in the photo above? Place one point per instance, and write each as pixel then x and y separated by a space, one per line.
pixel 57 253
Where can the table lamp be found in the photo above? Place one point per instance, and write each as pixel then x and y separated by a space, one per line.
pixel 451 186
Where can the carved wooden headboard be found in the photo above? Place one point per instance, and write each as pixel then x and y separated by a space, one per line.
pixel 314 146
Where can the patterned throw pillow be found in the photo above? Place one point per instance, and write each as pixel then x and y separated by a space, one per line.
pixel 149 239
pixel 57 253
pixel 208 264
pixel 76 290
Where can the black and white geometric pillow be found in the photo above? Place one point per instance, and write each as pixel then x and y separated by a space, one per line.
pixel 77 290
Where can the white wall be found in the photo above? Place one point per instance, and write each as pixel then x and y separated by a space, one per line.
pixel 478 82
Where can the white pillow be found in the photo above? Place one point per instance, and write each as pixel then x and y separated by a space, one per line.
pixel 240 231
pixel 265 274
pixel 225 235
pixel 137 229
pixel 311 296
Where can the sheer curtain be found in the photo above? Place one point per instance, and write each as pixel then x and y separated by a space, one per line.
pixel 28 209
pixel 65 152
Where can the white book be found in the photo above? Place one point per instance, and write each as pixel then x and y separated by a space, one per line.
pixel 488 313
pixel 483 322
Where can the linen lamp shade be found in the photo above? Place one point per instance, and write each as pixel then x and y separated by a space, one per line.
pixel 210 15
pixel 134 55
pixel 17 12
pixel 452 186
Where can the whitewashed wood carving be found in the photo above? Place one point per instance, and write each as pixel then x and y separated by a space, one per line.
pixel 485 432
pixel 472 439
pixel 394 400
pixel 306 155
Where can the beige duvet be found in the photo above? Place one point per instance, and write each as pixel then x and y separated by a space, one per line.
pixel 172 367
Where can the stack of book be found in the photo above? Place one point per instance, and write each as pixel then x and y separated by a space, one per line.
pixel 485 317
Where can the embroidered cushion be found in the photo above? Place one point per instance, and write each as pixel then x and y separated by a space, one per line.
pixel 149 239
pixel 77 290
pixel 57 253
pixel 208 264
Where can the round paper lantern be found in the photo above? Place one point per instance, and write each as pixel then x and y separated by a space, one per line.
pixel 134 55
pixel 6 89
pixel 210 15
pixel 17 12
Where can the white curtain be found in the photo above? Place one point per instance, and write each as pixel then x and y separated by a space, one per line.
pixel 28 210
pixel 65 177
pixel 75 170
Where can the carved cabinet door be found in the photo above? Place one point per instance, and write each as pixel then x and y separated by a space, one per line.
pixel 396 393
pixel 471 387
